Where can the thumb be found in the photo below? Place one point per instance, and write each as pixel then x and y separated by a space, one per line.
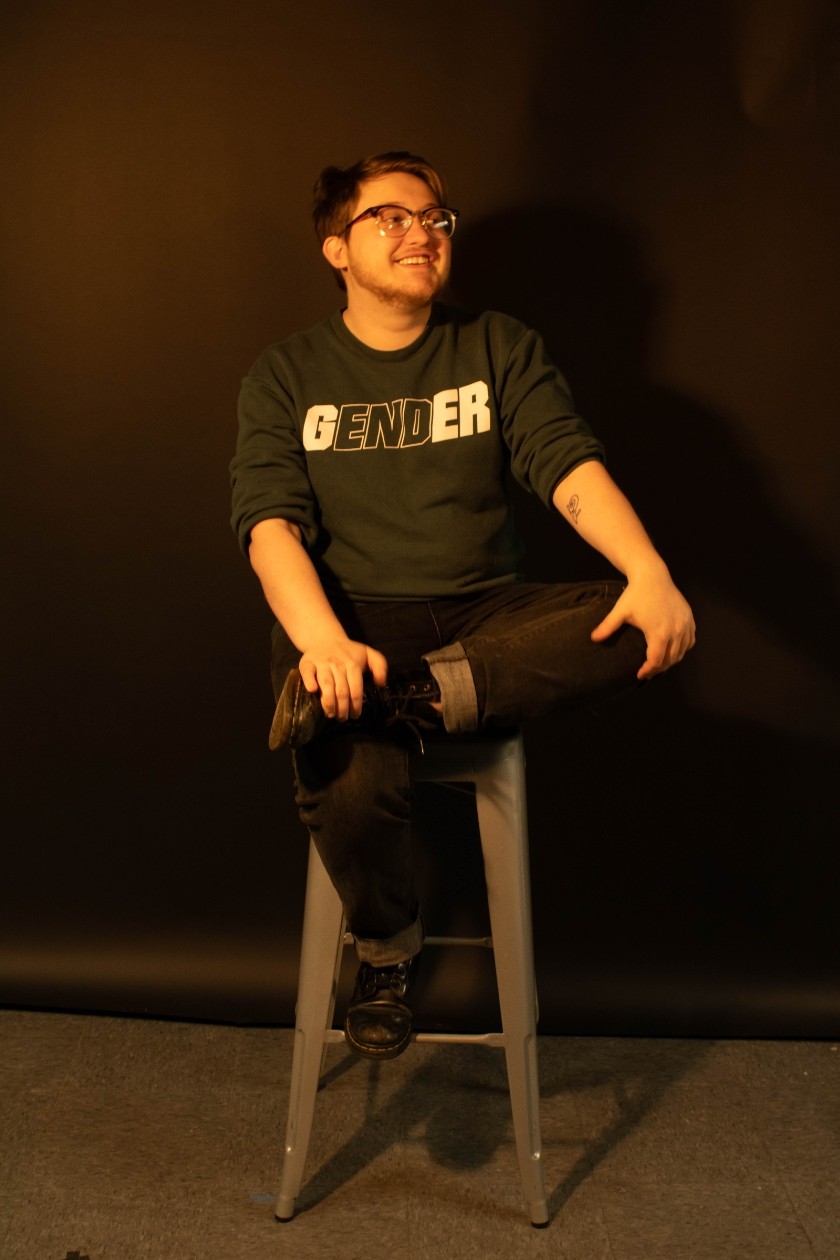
pixel 608 626
pixel 378 666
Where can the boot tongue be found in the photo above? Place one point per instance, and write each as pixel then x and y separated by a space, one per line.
pixel 408 699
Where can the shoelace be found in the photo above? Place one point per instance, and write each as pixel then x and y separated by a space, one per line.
pixel 416 722
pixel 378 978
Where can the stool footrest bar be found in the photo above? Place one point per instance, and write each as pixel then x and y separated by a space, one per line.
pixel 480 942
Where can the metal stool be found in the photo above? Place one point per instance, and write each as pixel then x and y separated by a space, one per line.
pixel 497 768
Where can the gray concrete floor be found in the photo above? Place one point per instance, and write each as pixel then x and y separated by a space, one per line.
pixel 125 1139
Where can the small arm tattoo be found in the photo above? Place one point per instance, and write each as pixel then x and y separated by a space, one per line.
pixel 574 508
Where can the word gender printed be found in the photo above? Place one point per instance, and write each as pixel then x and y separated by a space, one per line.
pixel 406 422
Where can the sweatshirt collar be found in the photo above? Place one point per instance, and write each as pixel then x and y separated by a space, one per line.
pixel 436 318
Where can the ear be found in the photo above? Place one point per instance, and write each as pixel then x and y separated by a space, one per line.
pixel 334 252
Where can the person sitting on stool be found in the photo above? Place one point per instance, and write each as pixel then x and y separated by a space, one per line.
pixel 369 496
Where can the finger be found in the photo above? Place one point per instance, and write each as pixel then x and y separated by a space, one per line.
pixel 680 650
pixel 308 674
pixel 650 670
pixel 658 659
pixel 355 690
pixel 682 647
pixel 327 687
pixel 341 690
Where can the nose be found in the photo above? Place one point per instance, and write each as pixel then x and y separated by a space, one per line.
pixel 417 232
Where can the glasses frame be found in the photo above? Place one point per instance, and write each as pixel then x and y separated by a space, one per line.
pixel 409 214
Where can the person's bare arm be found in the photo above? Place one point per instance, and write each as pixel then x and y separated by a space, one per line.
pixel 592 502
pixel 331 663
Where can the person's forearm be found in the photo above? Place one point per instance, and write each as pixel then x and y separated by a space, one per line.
pixel 290 584
pixel 330 662
pixel 593 504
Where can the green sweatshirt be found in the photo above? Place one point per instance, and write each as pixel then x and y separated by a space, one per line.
pixel 392 462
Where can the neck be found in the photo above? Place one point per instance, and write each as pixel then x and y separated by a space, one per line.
pixel 386 328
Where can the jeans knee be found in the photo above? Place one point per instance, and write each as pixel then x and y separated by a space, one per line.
pixel 349 784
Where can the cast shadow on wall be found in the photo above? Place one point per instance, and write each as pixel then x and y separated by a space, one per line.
pixel 681 858
pixel 582 281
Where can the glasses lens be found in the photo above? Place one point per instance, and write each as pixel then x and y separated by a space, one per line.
pixel 440 221
pixel 393 221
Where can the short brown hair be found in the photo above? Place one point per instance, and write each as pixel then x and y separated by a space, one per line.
pixel 336 189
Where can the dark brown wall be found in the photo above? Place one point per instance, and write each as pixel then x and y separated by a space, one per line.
pixel 656 187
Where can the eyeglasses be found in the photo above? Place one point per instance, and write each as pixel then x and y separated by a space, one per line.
pixel 396 220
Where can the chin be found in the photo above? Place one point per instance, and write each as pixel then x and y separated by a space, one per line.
pixel 414 301
pixel 424 288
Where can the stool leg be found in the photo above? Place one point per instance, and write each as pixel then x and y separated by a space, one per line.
pixel 502 817
pixel 320 956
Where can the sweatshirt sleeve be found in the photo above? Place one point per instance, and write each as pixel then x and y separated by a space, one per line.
pixel 269 477
pixel 545 435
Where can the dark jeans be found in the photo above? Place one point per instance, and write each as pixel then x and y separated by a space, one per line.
pixel 500 657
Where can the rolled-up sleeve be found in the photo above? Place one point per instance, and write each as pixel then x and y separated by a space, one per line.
pixel 269 478
pixel 546 436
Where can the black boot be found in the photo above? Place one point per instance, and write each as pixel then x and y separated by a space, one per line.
pixel 408 698
pixel 378 1023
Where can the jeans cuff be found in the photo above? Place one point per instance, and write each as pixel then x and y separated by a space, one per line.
pixel 395 949
pixel 451 671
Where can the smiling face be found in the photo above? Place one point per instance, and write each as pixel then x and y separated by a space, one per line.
pixel 405 273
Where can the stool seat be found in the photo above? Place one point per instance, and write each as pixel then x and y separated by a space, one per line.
pixel 495 764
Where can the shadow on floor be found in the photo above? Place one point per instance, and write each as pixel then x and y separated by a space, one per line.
pixel 451 1085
